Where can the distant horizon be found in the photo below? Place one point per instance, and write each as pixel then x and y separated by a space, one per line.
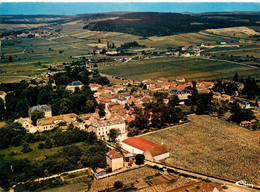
pixel 69 8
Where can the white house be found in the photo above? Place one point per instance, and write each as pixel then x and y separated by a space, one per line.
pixel 27 124
pixel 2 95
pixel 102 127
pixel 115 160
pixel 151 151
pixel 73 85
pixel 43 108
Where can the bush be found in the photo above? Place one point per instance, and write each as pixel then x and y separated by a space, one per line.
pixel 118 184
pixel 41 146
pixel 48 143
pixel 26 148
pixel 139 159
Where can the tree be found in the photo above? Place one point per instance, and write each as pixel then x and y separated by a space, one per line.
pixel 235 77
pixel 194 96
pixel 101 110
pixel 139 159
pixel 118 184
pixel 48 143
pixel 35 115
pixel 26 148
pixel 41 146
pixel 2 109
pixel 113 133
pixel 10 58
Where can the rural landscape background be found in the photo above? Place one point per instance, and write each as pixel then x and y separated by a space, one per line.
pixel 181 74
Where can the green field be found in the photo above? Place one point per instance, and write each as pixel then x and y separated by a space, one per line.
pixel 36 153
pixel 171 67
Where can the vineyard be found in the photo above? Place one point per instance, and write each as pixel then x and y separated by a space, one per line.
pixel 212 146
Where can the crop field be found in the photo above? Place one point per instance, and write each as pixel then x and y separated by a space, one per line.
pixel 171 67
pixel 212 146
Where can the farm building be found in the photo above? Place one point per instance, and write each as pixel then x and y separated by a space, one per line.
pixel 151 151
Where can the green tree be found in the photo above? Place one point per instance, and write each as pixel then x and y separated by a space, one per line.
pixel 118 184
pixel 101 110
pixel 48 143
pixel 35 115
pixel 26 148
pixel 235 77
pixel 65 106
pixel 113 134
pixel 139 159
pixel 2 109
pixel 41 146
pixel 10 58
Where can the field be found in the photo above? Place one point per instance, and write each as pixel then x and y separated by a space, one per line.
pixel 75 182
pixel 33 155
pixel 139 177
pixel 212 146
pixel 171 67
pixel 75 41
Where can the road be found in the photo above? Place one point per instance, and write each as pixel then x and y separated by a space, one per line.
pixel 201 176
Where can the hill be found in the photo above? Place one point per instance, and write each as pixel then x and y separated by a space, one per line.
pixel 162 24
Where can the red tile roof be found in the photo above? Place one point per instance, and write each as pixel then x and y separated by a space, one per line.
pixel 208 187
pixel 157 150
pixel 104 100
pixel 113 154
pixel 139 143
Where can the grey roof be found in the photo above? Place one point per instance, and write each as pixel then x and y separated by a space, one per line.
pixel 75 83
pixel 41 108
pixel 180 91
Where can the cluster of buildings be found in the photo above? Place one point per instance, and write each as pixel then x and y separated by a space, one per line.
pixel 42 34
pixel 119 101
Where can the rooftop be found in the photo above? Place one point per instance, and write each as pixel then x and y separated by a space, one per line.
pixel 40 108
pixel 139 143
pixel 75 83
pixel 113 154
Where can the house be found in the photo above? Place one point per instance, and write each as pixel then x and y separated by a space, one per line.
pixel 94 87
pixel 3 95
pixel 43 108
pixel 119 88
pixel 100 172
pixel 244 123
pixel 49 123
pixel 115 159
pixel 182 94
pixel 27 124
pixel 180 79
pixel 73 85
pixel 245 105
pixel 157 153
pixel 151 151
pixel 209 187
pixel 102 127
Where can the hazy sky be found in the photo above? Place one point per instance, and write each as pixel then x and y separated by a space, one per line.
pixel 77 8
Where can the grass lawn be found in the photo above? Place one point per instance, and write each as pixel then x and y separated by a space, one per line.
pixel 36 153
pixel 212 146
pixel 171 67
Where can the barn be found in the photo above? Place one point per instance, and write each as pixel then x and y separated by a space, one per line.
pixel 151 151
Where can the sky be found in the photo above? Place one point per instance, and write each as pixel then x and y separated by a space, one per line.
pixel 68 8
